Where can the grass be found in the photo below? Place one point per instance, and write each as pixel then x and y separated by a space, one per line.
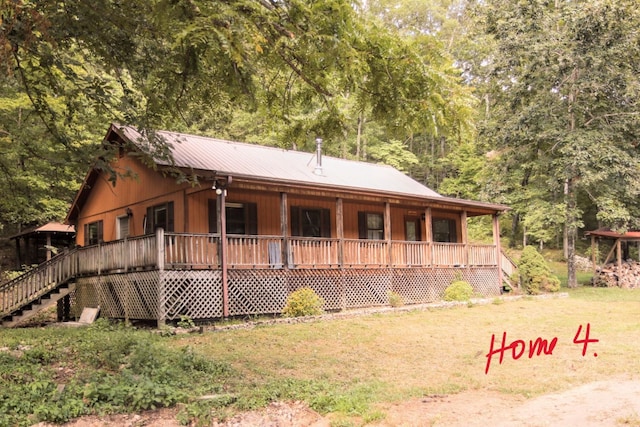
pixel 402 355
pixel 351 368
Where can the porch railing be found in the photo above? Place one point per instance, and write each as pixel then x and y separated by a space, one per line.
pixel 38 282
pixel 203 251
pixel 196 251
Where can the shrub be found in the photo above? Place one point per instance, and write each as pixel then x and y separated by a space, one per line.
pixel 458 290
pixel 395 299
pixel 303 302
pixel 535 274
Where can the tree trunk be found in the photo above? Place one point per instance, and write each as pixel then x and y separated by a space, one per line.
pixel 571 234
pixel 514 230
pixel 359 138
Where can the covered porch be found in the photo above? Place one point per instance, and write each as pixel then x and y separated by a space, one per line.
pixel 164 276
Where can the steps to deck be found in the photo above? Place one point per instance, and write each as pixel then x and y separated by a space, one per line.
pixel 33 309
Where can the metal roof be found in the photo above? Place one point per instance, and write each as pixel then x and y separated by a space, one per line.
pixel 607 232
pixel 258 161
pixel 50 227
pixel 296 168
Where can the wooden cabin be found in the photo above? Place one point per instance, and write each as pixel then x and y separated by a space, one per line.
pixel 224 229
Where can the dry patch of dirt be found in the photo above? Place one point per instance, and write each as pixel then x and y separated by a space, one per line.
pixel 600 404
pixel 615 402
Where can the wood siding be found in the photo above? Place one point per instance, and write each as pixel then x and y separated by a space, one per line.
pixel 107 202
pixel 191 206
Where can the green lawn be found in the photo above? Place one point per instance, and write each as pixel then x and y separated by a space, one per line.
pixel 347 368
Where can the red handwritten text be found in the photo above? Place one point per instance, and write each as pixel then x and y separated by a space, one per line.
pixel 537 347
pixel 518 348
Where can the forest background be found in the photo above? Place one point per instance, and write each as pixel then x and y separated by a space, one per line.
pixel 529 103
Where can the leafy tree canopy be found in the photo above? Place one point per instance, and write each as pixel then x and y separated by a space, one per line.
pixel 294 69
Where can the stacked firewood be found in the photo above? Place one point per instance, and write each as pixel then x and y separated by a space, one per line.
pixel 627 275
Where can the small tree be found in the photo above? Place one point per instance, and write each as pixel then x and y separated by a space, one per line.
pixel 535 274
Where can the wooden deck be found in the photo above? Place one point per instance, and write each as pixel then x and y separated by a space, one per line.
pixel 246 276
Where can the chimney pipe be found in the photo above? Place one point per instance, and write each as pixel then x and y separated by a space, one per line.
pixel 318 169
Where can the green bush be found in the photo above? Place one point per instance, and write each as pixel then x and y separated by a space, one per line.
pixel 303 302
pixel 458 290
pixel 535 274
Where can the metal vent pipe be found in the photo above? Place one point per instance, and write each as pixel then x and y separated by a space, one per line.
pixel 318 169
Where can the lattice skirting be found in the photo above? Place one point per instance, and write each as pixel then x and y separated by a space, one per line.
pixel 198 293
pixel 119 296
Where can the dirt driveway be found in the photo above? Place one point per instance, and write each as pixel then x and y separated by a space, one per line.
pixel 615 402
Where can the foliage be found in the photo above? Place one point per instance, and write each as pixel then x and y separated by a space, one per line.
pixel 186 322
pixel 563 112
pixel 56 375
pixel 535 274
pixel 303 302
pixel 395 299
pixel 273 72
pixel 458 290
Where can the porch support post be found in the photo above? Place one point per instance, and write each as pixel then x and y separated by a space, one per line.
pixel 19 253
pixel 387 230
pixel 340 230
pixel 48 246
pixel 284 229
pixel 428 234
pixel 619 249
pixel 161 290
pixel 465 237
pixel 593 253
pixel 496 242
pixel 223 254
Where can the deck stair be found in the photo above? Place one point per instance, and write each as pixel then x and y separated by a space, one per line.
pixel 32 309
pixel 38 289
pixel 509 267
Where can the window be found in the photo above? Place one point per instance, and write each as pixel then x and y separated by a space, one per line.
pixel 242 218
pixel 444 230
pixel 159 216
pixel 122 227
pixel 371 225
pixel 310 222
pixel 93 233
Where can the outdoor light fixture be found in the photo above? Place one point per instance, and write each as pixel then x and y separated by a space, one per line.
pixel 128 211
pixel 220 187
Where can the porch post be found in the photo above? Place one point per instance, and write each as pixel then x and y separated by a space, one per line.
pixel 465 237
pixel 160 261
pixel 593 253
pixel 428 235
pixel 19 252
pixel 223 254
pixel 284 229
pixel 340 230
pixel 496 242
pixel 387 231
pixel 340 236
pixel 48 246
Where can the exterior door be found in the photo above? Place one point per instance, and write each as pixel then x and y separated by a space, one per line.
pixel 412 232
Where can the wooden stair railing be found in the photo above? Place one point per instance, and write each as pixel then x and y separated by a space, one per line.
pixel 508 267
pixel 37 283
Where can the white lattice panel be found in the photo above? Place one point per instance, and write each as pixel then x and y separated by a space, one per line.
pixel 367 287
pixel 119 296
pixel 193 293
pixel 415 285
pixel 262 291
